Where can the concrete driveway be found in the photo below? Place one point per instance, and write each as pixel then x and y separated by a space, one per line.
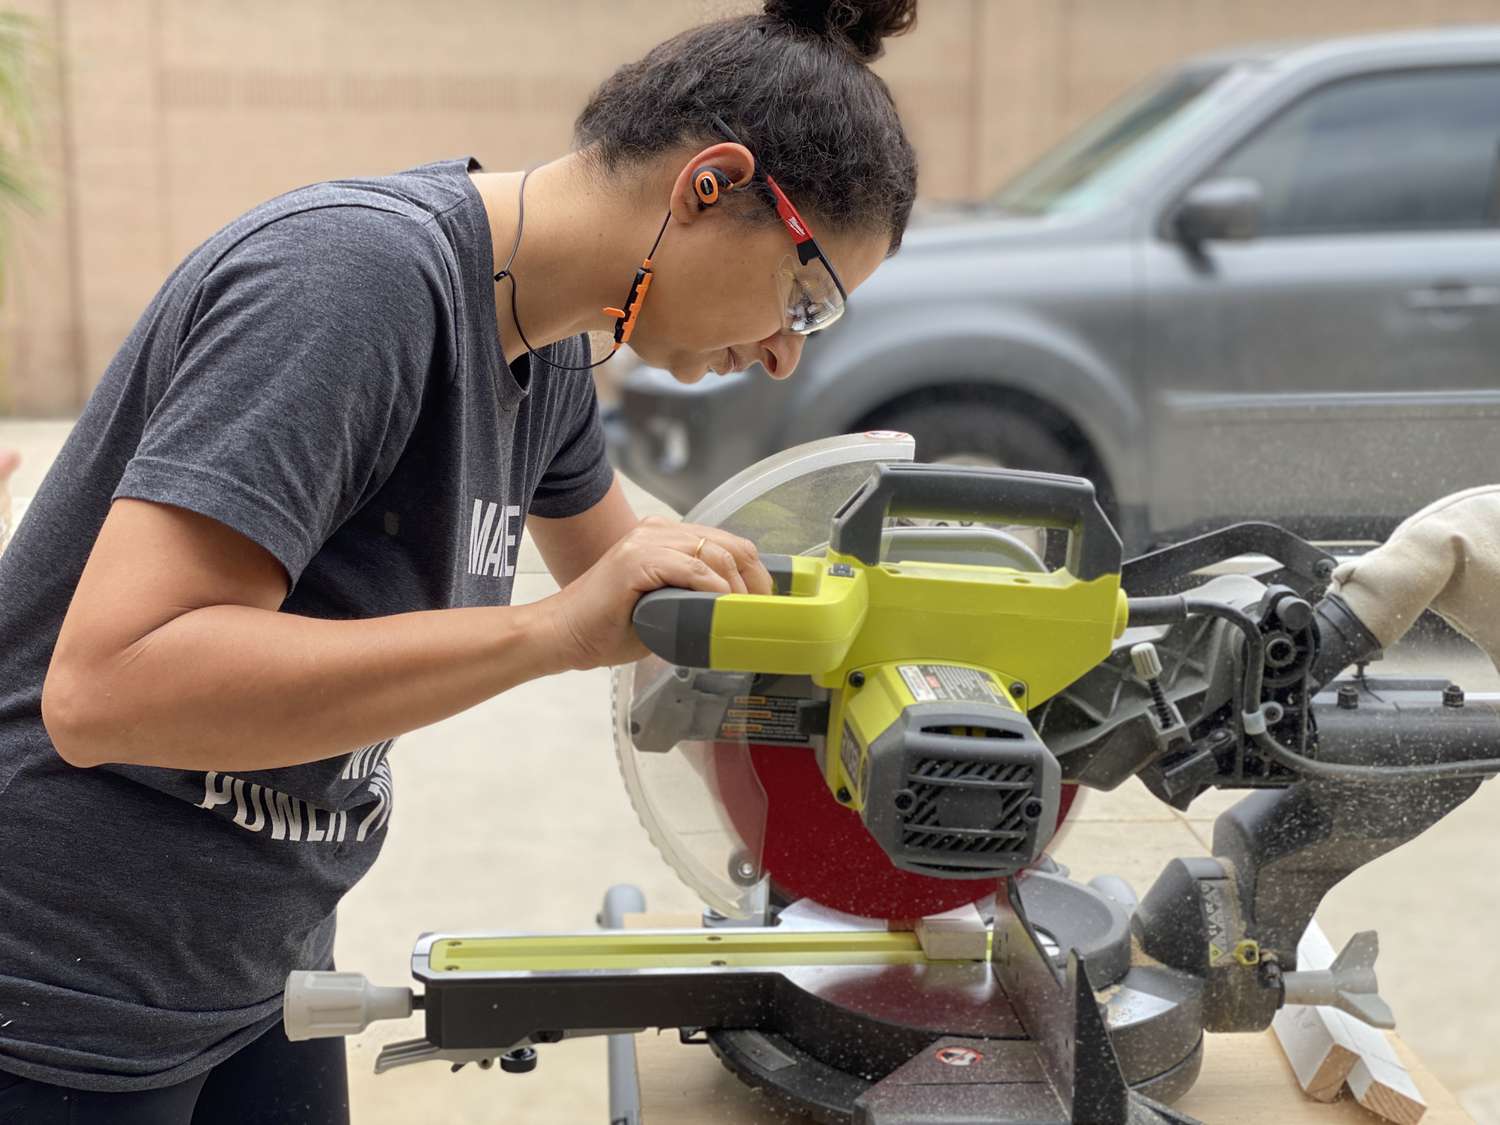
pixel 512 816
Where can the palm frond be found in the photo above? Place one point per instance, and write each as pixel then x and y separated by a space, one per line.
pixel 17 48
pixel 15 185
pixel 17 41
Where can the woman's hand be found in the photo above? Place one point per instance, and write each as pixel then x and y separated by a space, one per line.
pixel 592 613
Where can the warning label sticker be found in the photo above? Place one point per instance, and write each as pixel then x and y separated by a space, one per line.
pixel 764 718
pixel 1217 920
pixel 929 683
pixel 959 1056
pixel 849 755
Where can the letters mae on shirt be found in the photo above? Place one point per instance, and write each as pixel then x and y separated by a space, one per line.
pixel 324 377
pixel 494 539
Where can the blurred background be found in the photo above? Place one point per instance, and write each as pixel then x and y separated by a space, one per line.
pixel 1221 278
pixel 156 121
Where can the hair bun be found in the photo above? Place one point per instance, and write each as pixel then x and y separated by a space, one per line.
pixel 858 25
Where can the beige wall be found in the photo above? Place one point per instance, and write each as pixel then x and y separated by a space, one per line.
pixel 159 120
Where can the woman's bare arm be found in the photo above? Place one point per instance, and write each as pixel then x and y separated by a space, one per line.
pixel 173 652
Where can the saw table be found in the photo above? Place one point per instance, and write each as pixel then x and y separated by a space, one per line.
pixel 1246 1078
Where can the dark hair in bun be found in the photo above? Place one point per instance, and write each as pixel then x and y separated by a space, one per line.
pixel 860 24
pixel 793 84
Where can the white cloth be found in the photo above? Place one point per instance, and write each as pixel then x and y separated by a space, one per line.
pixel 1446 558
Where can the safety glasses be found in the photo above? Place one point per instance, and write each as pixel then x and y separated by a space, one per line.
pixel 813 297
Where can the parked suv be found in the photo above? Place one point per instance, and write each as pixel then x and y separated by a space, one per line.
pixel 1264 285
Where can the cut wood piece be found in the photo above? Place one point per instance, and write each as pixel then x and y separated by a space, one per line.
pixel 1384 1087
pixel 958 935
pixel 1329 1049
pixel 1319 1060
pixel 1321 1056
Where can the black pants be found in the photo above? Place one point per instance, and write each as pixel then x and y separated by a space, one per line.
pixel 272 1081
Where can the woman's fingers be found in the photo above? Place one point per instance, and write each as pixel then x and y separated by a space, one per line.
pixel 674 568
pixel 741 554
pixel 732 557
pixel 747 559
pixel 725 565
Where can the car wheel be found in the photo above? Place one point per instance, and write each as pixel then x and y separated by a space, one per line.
pixel 959 431
pixel 977 432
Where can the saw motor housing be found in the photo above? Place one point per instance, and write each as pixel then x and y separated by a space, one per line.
pixel 946 770
pixel 926 668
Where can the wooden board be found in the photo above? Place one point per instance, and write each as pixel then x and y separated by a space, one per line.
pixel 1328 1048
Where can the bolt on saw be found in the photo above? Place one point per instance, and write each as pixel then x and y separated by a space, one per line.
pixel 861 775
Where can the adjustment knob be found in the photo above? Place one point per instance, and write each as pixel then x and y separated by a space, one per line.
pixel 1348 984
pixel 522 1060
pixel 1146 660
pixel 1294 613
pixel 321 1005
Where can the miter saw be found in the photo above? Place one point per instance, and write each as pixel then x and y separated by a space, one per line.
pixel 873 760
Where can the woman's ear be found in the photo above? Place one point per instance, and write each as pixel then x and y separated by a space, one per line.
pixel 733 160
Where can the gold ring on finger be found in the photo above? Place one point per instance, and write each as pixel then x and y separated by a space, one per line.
pixel 698 550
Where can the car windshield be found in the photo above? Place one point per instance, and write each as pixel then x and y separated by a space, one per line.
pixel 1090 165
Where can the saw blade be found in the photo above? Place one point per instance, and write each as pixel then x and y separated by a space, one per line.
pixel 772 817
pixel 763 809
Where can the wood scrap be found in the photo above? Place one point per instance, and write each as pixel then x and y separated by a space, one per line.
pixel 1330 1050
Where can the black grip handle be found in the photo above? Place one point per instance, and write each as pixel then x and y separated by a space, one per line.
pixel 979 493
pixel 677 625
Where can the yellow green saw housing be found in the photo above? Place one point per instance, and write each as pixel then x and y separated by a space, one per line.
pixel 930 667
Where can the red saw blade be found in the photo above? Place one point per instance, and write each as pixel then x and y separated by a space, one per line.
pixel 817 849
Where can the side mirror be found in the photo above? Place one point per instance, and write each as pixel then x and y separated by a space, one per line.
pixel 1218 210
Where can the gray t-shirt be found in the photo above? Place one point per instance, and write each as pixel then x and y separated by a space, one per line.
pixel 324 376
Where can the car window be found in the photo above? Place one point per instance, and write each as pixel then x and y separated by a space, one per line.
pixel 1413 150
pixel 1108 147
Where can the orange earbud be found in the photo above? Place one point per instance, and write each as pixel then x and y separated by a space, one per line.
pixel 709 184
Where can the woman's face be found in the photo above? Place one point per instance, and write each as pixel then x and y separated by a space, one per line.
pixel 718 302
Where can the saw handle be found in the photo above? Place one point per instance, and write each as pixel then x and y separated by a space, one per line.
pixel 677 625
pixel 979 494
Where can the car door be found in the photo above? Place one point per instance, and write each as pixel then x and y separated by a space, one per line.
pixel 1341 368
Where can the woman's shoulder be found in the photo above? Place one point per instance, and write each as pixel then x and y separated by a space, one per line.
pixel 373 224
pixel 326 227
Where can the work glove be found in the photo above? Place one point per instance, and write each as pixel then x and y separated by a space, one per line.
pixel 1445 558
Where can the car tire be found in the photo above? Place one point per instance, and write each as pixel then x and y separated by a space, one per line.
pixel 982 432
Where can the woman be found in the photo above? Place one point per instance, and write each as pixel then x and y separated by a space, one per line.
pixel 284 529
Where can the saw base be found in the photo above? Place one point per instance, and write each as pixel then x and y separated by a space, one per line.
pixel 1005 1086
pixel 840 1051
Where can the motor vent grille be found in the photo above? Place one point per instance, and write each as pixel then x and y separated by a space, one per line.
pixel 969 807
